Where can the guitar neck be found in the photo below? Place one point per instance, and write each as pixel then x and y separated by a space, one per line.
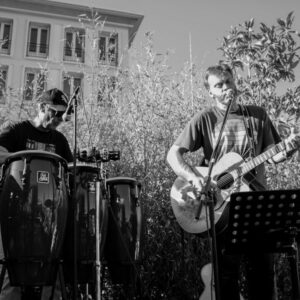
pixel 258 160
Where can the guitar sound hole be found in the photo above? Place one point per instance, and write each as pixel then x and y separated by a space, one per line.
pixel 224 181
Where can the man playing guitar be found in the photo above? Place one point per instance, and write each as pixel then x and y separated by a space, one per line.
pixel 248 132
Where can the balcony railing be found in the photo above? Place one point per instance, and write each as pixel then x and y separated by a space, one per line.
pixel 73 54
pixel 109 58
pixel 5 46
pixel 37 50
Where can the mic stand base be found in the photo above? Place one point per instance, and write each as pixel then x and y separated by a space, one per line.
pixel 213 242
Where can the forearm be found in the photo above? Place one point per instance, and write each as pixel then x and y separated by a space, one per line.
pixel 179 165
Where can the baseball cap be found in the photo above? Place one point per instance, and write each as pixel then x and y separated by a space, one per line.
pixel 55 98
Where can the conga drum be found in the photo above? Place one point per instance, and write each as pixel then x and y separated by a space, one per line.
pixel 88 184
pixel 33 216
pixel 123 245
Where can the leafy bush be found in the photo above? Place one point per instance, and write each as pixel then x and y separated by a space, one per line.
pixel 145 111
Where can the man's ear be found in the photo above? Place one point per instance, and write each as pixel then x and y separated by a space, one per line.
pixel 211 94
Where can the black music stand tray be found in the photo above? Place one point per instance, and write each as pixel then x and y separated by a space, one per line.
pixel 266 221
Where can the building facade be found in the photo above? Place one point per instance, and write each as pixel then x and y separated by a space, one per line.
pixel 46 44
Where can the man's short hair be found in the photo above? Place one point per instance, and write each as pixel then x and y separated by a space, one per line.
pixel 219 69
pixel 54 97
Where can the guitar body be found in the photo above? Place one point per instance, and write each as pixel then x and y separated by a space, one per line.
pixel 208 292
pixel 184 200
pixel 206 276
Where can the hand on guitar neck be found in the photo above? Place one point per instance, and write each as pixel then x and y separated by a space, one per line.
pixel 292 143
pixel 288 128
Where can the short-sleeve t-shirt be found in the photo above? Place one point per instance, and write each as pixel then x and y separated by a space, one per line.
pixel 203 131
pixel 23 135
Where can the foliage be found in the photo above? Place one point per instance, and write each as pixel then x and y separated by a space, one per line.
pixel 265 58
pixel 142 111
pixel 149 109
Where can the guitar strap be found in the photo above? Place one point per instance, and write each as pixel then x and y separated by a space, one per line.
pixel 253 183
pixel 249 130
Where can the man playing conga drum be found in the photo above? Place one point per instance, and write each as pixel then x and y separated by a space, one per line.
pixel 37 134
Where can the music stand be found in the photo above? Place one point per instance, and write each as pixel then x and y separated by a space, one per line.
pixel 266 221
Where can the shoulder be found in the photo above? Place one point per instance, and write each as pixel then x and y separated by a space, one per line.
pixel 59 135
pixel 256 111
pixel 255 108
pixel 13 125
pixel 60 139
pixel 207 112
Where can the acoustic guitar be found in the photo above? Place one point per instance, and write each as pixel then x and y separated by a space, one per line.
pixel 228 173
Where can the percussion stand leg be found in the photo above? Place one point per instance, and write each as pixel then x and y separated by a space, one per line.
pixel 62 282
pixel 61 279
pixel 3 270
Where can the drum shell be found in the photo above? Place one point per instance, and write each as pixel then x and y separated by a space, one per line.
pixel 33 216
pixel 123 246
pixel 85 200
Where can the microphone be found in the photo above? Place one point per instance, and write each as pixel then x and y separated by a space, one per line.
pixel 67 114
pixel 230 94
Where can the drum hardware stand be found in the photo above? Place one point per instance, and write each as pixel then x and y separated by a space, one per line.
pixel 206 200
pixel 75 275
pixel 74 98
pixel 100 157
pixel 98 241
pixel 270 219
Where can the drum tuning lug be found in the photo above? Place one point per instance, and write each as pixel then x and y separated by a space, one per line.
pixel 23 181
pixel 24 173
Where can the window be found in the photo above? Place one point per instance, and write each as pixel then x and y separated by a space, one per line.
pixel 70 82
pixel 38 40
pixel 3 79
pixel 108 48
pixel 5 35
pixel 35 83
pixel 74 45
pixel 107 86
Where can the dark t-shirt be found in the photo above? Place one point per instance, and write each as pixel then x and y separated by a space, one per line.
pixel 203 131
pixel 24 136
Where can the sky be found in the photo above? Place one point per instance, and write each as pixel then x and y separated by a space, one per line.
pixel 177 24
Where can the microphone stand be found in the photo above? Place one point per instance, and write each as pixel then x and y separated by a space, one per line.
pixel 204 198
pixel 98 238
pixel 74 204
